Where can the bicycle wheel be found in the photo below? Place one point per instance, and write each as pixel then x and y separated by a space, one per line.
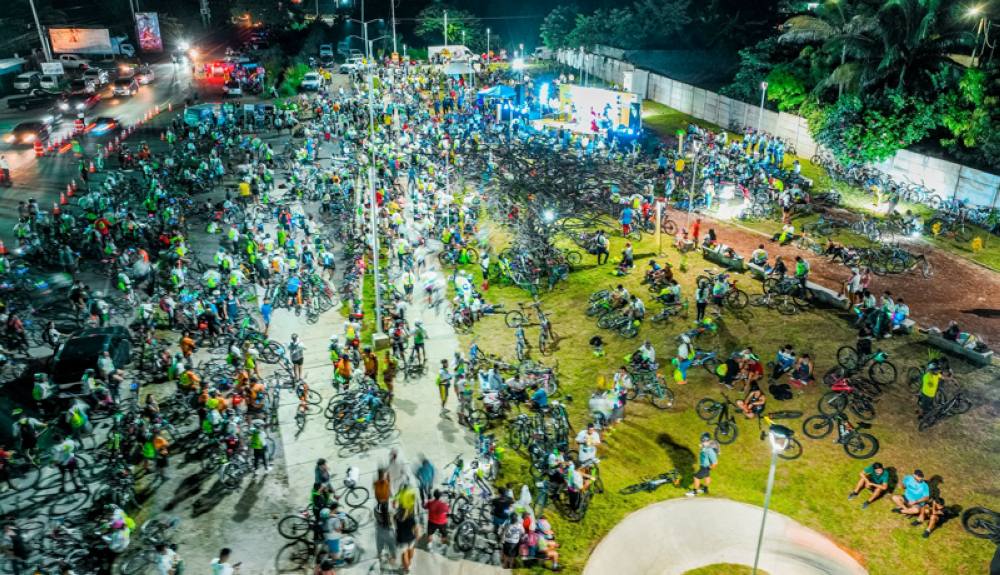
pixel 356 496
pixel 847 357
pixel 711 365
pixel 981 522
pixel 629 330
pixel 862 407
pixel 668 227
pixel 465 536
pixel 660 396
pixel 832 403
pixel 737 299
pixel 861 445
pixel 479 419
pixel 138 562
pixel 708 408
pixel 785 305
pixel 233 476
pixel 927 268
pixel 633 489
pixel 726 432
pixel 793 450
pixel 895 265
pixel 882 373
pixel 514 319
pixel 472 255
pixel 962 405
pixel 294 527
pixel 929 419
pixel 964 232
pixel 802 297
pixel 915 379
pixel 349 524
pixel 817 426
pixel 757 300
pixel 514 437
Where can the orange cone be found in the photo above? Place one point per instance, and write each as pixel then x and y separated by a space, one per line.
pixel 73 183
pixel 62 199
pixel 170 107
pixel 92 168
pixel 48 146
pixel 3 250
pixel 55 208
pixel 163 136
pixel 69 191
pixel 157 109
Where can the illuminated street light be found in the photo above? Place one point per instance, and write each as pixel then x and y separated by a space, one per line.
pixel 779 436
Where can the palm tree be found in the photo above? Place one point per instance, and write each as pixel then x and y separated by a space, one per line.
pixel 830 24
pixel 903 44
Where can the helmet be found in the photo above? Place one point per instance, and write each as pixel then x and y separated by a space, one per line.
pixel 222 250
pixel 295 336
pixel 368 348
pixel 258 423
pixel 932 366
pixel 324 512
pixel 333 338
pixel 686 339
pixel 706 436
pixel 98 294
pixel 253 351
pixel 419 322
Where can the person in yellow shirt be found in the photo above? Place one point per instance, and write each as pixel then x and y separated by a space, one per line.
pixel 245 192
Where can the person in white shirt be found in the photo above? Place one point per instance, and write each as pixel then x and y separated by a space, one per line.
pixel 166 560
pixel 221 566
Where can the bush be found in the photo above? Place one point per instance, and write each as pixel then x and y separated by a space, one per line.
pixel 293 79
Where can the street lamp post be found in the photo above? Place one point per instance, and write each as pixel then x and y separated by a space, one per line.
pixel 488 47
pixel 779 436
pixel 392 3
pixel 445 27
pixel 694 180
pixel 41 35
pixel 763 92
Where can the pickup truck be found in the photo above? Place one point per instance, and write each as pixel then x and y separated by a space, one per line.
pixel 73 61
pixel 37 99
pixel 325 50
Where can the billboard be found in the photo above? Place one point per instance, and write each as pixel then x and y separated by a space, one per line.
pixel 80 40
pixel 53 68
pixel 147 26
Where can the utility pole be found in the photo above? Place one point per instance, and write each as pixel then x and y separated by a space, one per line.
pixel 445 27
pixel 392 3
pixel 41 34
pixel 206 14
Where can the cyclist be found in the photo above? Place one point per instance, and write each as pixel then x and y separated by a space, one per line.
pixel 928 389
pixel 636 309
pixel 801 271
pixel 619 297
pixel 444 382
pixel 644 357
pixel 418 341
pixel 293 285
pixel 258 439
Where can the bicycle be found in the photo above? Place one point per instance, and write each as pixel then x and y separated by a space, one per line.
pixel 725 422
pixel 655 388
pixel 982 523
pixel 793 448
pixel 650 484
pixel 153 533
pixel 945 406
pixel 844 393
pixel 856 444
pixel 882 371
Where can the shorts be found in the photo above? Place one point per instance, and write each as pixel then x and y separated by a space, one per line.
pixel 925 402
pixel 703 473
pixel 408 290
pixel 404 546
pixel 385 540
pixel 297 361
pixel 334 545
pixel 510 549
pixel 499 521
pixel 717 300
pixel 433 528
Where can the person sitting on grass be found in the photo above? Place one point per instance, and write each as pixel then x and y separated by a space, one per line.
pixel 802 373
pixel 656 273
pixel 779 270
pixel 759 256
pixel 752 371
pixel 932 513
pixel 753 403
pixel 874 477
pixel 915 495
pixel 784 362
pixel 785 236
pixel 728 372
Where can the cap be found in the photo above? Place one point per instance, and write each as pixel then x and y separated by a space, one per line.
pixel 706 436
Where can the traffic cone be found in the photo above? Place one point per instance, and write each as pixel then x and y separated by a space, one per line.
pixel 92 168
pixel 118 142
pixel 163 136
pixel 73 183
pixel 48 146
pixel 62 199
pixel 170 106
pixel 3 250
pixel 157 109
pixel 55 208
pixel 69 191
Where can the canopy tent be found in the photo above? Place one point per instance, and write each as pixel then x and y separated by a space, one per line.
pixel 456 68
pixel 498 91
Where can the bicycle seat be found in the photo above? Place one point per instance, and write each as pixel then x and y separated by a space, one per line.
pixel 862 425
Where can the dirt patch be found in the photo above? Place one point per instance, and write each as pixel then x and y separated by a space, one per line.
pixel 958 291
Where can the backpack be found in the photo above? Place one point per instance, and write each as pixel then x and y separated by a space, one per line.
pixel 780 391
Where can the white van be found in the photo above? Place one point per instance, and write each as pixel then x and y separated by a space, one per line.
pixel 33 80
pixel 543 53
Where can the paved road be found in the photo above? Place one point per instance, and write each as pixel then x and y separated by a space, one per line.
pixel 676 536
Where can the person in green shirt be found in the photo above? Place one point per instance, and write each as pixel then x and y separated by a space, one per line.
pixel 874 477
pixel 929 389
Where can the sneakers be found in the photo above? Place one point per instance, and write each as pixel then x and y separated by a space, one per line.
pixel 682 382
pixel 915 522
pixel 256 471
pixel 691 494
pixel 267 470
pixel 864 505
pixel 897 510
pixel 851 496
pixel 927 533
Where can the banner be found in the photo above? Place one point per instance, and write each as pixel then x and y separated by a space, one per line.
pixel 80 40
pixel 147 26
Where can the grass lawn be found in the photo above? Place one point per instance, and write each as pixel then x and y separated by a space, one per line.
pixel 725 569
pixel 666 121
pixel 959 456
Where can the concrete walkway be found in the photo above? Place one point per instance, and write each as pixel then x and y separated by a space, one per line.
pixel 676 536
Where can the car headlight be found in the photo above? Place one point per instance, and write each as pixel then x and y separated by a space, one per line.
pixel 79 106
pixel 64 106
pixel 29 137
pixel 10 139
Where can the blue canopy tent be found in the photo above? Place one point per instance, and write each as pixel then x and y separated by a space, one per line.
pixel 498 91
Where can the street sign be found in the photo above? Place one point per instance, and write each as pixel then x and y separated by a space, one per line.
pixel 54 68
pixel 248 107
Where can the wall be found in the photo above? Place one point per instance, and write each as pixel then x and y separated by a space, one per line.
pixel 948 179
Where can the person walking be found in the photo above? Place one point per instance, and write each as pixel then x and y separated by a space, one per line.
pixel 258 442
pixel 437 520
pixel 444 382
pixel 601 245
pixel 64 458
pixel 708 459
pixel 296 349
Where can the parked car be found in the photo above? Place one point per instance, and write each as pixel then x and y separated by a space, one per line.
pixel 232 89
pixel 312 81
pixel 27 133
pixel 73 61
pixel 79 101
pixel 96 75
pixel 351 64
pixel 125 86
pixel 37 99
pixel 83 85
pixel 145 75
pixel 33 80
pixel 81 351
pixel 543 53
pixel 325 50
